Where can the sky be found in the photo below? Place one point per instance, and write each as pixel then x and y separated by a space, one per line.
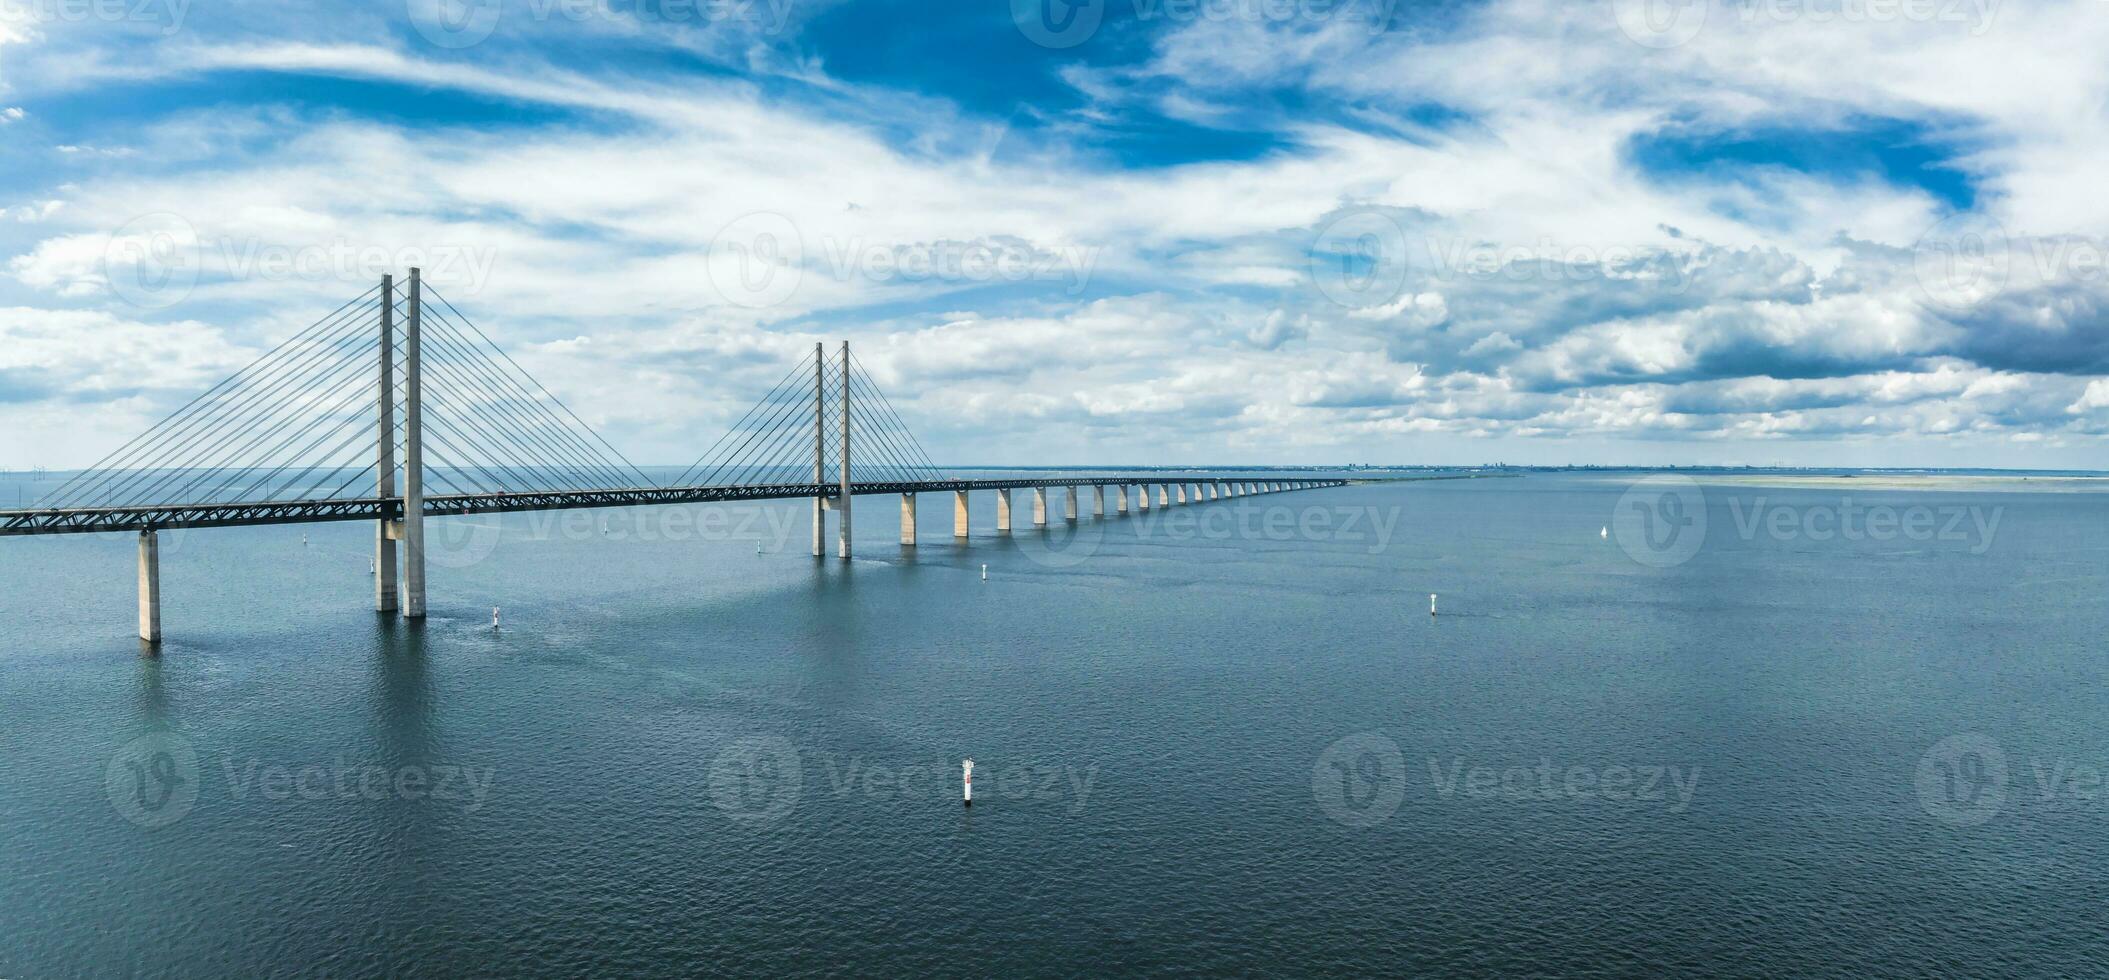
pixel 1868 232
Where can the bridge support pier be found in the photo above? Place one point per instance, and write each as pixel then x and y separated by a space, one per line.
pixel 1142 497
pixel 1164 495
pixel 1182 493
pixel 412 599
pixel 959 514
pixel 1120 494
pixel 1003 512
pixel 384 534
pixel 1098 500
pixel 150 588
pixel 1069 505
pixel 908 519
pixel 843 503
pixel 1039 506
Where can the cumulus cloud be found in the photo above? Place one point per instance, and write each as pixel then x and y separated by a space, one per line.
pixel 658 245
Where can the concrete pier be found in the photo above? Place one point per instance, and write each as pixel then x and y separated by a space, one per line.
pixel 1164 495
pixel 150 587
pixel 1120 494
pixel 1039 506
pixel 819 447
pixel 413 584
pixel 1069 507
pixel 1098 500
pixel 1182 493
pixel 959 514
pixel 1003 512
pixel 384 579
pixel 842 503
pixel 908 519
pixel 1142 497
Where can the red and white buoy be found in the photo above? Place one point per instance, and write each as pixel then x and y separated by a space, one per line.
pixel 966 777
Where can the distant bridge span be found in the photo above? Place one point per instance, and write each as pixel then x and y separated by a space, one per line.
pixel 283 442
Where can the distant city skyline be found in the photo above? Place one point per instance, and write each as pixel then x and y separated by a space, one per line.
pixel 1100 231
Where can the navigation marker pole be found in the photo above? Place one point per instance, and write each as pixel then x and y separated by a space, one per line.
pixel 1431 603
pixel 966 775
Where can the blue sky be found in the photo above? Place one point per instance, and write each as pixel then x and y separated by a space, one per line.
pixel 1111 231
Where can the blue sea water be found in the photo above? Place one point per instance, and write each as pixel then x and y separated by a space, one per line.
pixel 1639 738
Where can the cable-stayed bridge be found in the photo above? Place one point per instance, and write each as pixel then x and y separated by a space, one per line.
pixel 396 407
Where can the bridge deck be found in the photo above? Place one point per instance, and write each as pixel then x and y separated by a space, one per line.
pixel 88 520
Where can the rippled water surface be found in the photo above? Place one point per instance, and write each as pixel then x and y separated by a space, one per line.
pixel 1203 744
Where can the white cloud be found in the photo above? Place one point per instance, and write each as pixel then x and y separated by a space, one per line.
pixel 1790 311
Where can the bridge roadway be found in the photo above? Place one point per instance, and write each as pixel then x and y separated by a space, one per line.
pixel 88 520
